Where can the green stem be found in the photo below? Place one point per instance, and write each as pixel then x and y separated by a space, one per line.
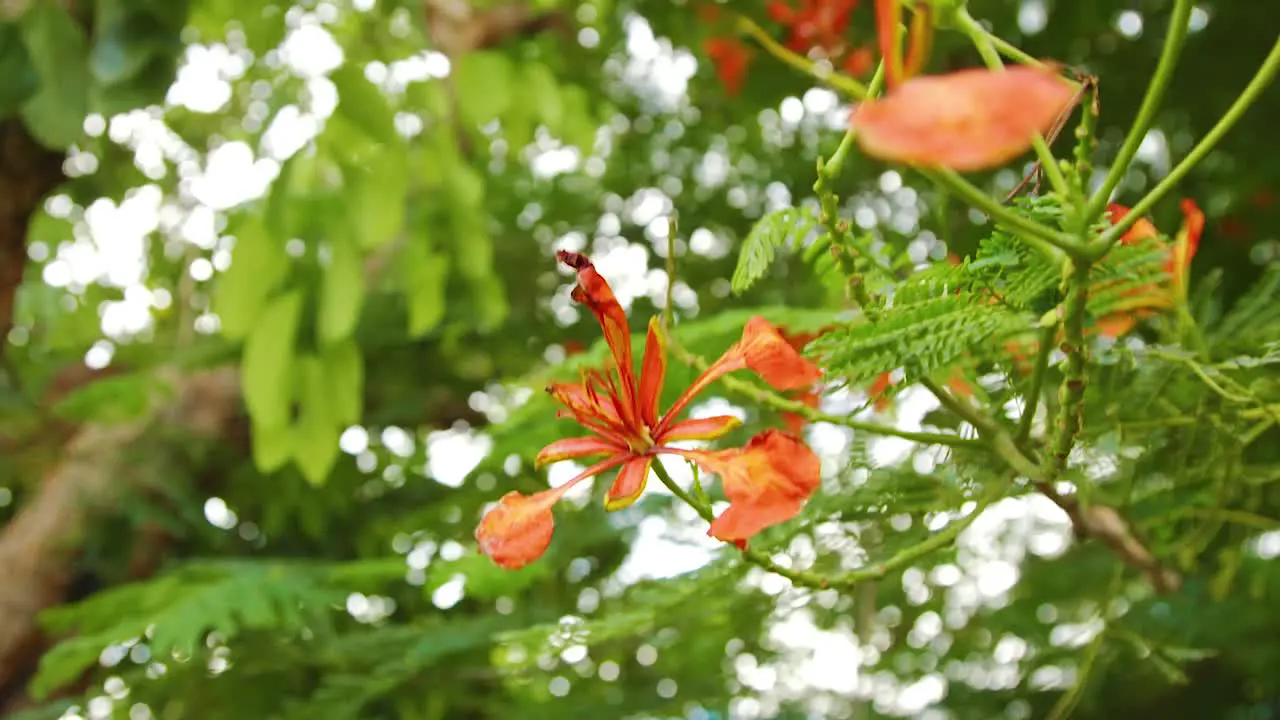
pixel 1260 82
pixel 847 580
pixel 1029 229
pixel 1071 393
pixel 981 40
pixel 1043 352
pixel 840 82
pixel 832 167
pixel 1178 24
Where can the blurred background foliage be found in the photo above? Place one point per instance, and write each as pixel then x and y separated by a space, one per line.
pixel 289 301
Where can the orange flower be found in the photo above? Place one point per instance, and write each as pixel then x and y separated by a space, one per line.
pixel 967 120
pixel 767 482
pixel 810 396
pixel 1142 302
pixel 621 411
pixel 731 59
pixel 816 23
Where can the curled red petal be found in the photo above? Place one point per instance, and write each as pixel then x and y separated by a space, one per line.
pixel 574 449
pixel 629 484
pixel 1188 240
pixel 708 428
pixel 767 481
pixel 594 292
pixel 968 120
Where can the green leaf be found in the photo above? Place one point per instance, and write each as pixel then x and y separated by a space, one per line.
pixel 375 194
pixel 342 292
pixel 60 53
pixel 272 447
pixel 20 78
pixel 578 128
pixel 315 445
pixel 363 103
pixel 542 93
pixel 484 81
pixel 761 246
pixel 268 361
pixel 258 265
pixel 344 377
pixel 424 275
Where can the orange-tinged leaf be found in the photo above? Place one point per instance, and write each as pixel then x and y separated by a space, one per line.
pixel 700 429
pixel 575 448
pixel 653 371
pixel 629 484
pixel 767 482
pixel 968 120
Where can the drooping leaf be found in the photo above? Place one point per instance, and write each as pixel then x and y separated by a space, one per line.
pixel 258 265
pixel 484 80
pixel 267 366
pixel 342 292
pixel 315 442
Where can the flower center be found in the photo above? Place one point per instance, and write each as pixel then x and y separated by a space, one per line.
pixel 641 442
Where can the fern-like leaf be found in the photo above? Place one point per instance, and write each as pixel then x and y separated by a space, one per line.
pixel 760 248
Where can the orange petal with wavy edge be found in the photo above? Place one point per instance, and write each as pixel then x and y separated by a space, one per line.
pixel 629 484
pixel 518 530
pixel 653 372
pixel 1140 230
pixel 767 482
pixel 593 291
pixel 574 449
pixel 774 359
pixel 967 121
pixel 700 429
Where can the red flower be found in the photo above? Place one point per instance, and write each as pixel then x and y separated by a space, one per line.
pixel 766 482
pixel 731 59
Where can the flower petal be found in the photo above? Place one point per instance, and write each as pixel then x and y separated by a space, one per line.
pixel 653 371
pixel 774 359
pixel 767 481
pixel 594 292
pixel 967 120
pixel 763 349
pixel 700 429
pixel 1140 230
pixel 629 484
pixel 1187 242
pixel 575 448
pixel 518 529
